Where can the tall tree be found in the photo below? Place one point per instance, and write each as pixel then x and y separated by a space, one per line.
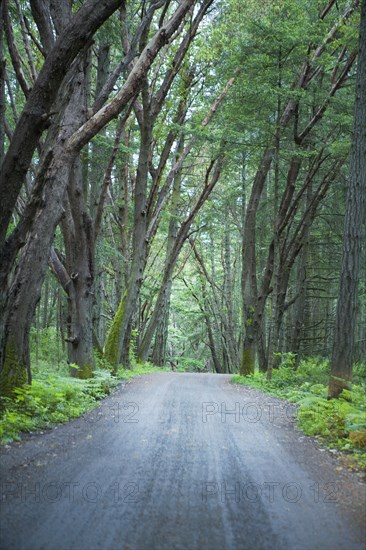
pixel 37 112
pixel 44 209
pixel 254 301
pixel 344 333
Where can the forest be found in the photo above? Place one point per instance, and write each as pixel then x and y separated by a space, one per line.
pixel 183 187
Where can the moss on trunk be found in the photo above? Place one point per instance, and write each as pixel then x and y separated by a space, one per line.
pixel 247 362
pixel 86 371
pixel 337 385
pixel 83 372
pixel 13 373
pixel 112 342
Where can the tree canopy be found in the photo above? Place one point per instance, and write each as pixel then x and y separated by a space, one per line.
pixel 175 179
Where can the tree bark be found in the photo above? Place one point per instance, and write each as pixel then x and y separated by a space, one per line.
pixel 161 331
pixel 18 309
pixel 78 232
pixel 36 113
pixel 210 333
pixel 42 17
pixel 301 291
pixel 13 51
pixel 342 354
pixel 2 86
pixel 229 331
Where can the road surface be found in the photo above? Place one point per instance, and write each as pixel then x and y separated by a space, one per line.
pixel 179 461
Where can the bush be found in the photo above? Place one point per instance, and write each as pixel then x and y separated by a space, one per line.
pixel 139 368
pixel 51 399
pixel 187 364
pixel 359 374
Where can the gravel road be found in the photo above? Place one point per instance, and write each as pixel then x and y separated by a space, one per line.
pixel 179 461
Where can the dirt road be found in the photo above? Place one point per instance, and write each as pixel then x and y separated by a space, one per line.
pixel 179 461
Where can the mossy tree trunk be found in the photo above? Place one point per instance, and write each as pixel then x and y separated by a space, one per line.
pixel 25 290
pixel 139 241
pixel 112 341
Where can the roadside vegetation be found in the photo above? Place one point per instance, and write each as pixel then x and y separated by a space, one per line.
pixel 338 424
pixel 54 396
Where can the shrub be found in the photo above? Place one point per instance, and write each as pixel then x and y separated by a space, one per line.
pixel 187 364
pixel 51 399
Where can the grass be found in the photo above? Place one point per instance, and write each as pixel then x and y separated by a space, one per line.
pixel 338 423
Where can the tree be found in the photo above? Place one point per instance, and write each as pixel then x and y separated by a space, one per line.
pixel 344 332
pixel 120 186
pixel 20 294
pixel 293 113
pixel 37 111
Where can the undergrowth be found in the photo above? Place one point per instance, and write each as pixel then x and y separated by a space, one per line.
pixel 337 423
pixel 189 364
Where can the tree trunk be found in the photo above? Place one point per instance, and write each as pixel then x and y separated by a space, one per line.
pixel 210 332
pixel 25 290
pixel 174 254
pixel 2 87
pixel 161 330
pixel 232 351
pixel 342 355
pixel 274 321
pixel 36 113
pixel 158 356
pixel 117 350
pixel 249 282
pixel 301 290
pixel 78 235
